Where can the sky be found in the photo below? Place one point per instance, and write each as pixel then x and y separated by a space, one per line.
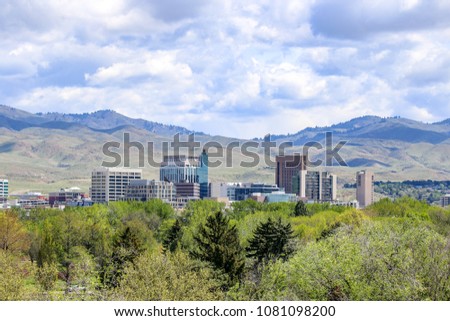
pixel 235 68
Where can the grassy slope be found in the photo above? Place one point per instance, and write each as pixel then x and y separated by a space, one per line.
pixel 46 160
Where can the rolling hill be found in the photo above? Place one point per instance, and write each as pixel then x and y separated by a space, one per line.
pixel 47 151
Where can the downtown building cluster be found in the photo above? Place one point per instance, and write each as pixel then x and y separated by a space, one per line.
pixel 183 179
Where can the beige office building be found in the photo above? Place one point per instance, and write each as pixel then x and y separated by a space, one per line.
pixel 110 184
pixel 144 190
pixel 364 188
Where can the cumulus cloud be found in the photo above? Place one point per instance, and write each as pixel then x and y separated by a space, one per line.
pixel 160 64
pixel 226 67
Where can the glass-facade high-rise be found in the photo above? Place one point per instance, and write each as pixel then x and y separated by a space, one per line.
pixel 182 169
pixel 202 172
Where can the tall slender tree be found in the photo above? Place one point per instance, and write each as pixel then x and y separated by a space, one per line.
pixel 126 249
pixel 218 244
pixel 171 242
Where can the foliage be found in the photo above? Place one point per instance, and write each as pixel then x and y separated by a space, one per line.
pixel 379 261
pixel 194 216
pixel 301 209
pixel 218 244
pixel 428 191
pixel 13 235
pixel 271 241
pixel 266 282
pixel 172 240
pixel 324 223
pixel 247 225
pixel 47 275
pixel 127 247
pixel 157 277
pixel 402 207
pixel 12 277
pixel 392 250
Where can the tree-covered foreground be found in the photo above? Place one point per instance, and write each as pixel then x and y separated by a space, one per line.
pixel 393 250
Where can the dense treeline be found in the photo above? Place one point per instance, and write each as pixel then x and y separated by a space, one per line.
pixel 393 250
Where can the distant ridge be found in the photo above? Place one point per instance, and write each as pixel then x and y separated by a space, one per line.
pixel 51 150
pixel 101 120
pixel 374 127
pixel 109 121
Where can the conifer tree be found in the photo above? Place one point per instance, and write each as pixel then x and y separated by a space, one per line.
pixel 126 249
pixel 218 244
pixel 170 243
pixel 271 241
pixel 301 209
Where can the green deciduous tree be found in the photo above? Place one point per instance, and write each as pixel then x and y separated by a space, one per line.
pixel 12 281
pixel 13 235
pixel 47 275
pixel 155 277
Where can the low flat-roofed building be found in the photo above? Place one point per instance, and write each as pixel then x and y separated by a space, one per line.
pixel 187 190
pixel 65 195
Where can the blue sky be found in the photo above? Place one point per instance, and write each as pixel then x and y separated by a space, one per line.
pixel 235 68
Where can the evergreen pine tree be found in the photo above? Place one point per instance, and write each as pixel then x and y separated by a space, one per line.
pixel 218 244
pixel 126 249
pixel 170 243
pixel 301 209
pixel 271 241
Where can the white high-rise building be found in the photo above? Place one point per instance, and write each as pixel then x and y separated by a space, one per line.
pixel 4 188
pixel 110 184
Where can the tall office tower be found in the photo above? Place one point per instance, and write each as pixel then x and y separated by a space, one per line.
pixel 364 188
pixel 182 169
pixel 144 190
pixel 329 187
pixel 289 167
pixel 316 186
pixel 110 184
pixel 202 172
pixel 4 188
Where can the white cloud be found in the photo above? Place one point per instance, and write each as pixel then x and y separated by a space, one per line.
pixel 161 64
pixel 270 66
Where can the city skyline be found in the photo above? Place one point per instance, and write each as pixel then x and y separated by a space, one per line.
pixel 265 67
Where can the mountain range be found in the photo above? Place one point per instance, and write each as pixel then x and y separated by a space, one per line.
pixel 47 151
